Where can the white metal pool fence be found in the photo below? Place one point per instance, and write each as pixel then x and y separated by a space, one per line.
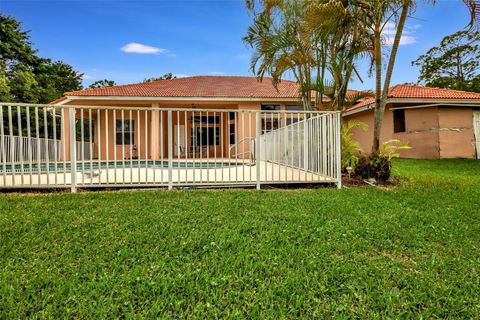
pixel 165 147
pixel 18 148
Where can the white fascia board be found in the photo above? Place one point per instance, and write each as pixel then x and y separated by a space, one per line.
pixel 61 103
pixel 433 102
pixel 364 108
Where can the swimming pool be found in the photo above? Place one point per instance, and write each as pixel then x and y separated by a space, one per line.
pixel 96 165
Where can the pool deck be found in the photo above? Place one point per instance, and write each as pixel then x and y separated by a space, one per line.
pixel 134 176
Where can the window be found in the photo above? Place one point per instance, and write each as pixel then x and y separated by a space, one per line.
pixel 128 131
pixel 232 134
pixel 399 120
pixel 206 136
pixel 207 119
pixel 269 125
pixel 293 108
pixel 292 120
pixel 270 107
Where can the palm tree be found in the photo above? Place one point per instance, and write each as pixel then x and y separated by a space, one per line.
pixel 282 44
pixel 309 39
pixel 345 41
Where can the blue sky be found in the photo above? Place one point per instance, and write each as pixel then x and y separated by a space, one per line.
pixel 185 37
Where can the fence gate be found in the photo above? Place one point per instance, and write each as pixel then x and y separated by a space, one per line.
pixel 46 146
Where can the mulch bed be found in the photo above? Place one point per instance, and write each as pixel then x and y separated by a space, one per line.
pixel 353 181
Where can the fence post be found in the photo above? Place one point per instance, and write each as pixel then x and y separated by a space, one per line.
pixel 73 150
pixel 258 131
pixel 170 150
pixel 306 134
pixel 338 149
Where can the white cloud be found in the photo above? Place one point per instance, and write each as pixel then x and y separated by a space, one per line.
pixel 404 40
pixel 134 47
pixel 390 25
pixel 181 75
pixel 87 77
pixel 407 38
pixel 217 73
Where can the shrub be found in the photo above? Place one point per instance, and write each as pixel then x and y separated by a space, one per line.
pixel 379 166
pixel 375 166
pixel 390 148
pixel 351 149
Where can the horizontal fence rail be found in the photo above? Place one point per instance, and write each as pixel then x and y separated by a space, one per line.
pixel 91 146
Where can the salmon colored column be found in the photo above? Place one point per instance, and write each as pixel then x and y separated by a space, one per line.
pixel 65 142
pixel 154 133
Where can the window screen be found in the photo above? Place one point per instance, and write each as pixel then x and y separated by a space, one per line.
pixel 123 136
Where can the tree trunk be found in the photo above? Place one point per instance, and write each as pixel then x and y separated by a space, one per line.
pixel 378 89
pixel 380 112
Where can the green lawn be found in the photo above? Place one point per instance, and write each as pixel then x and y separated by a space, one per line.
pixel 410 252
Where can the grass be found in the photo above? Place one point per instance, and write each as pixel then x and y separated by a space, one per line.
pixel 410 252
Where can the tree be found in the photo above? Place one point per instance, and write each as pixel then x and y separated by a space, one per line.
pixel 102 84
pixel 23 86
pixel 4 88
pixel 56 78
pixel 342 40
pixel 26 77
pixel 281 44
pixel 15 45
pixel 454 64
pixel 166 76
pixel 375 15
pixel 307 39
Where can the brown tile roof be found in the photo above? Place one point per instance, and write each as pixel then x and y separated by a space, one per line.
pixel 411 91
pixel 407 91
pixel 200 86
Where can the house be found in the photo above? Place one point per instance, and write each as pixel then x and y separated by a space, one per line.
pixel 195 134
pixel 437 123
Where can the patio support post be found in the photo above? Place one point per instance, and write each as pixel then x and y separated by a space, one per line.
pixel 73 150
pixel 170 150
pixel 155 132
pixel 258 131
pixel 338 150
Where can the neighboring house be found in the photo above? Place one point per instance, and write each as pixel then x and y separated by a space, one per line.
pixel 215 131
pixel 437 123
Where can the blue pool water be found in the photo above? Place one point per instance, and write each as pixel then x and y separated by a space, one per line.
pixel 95 165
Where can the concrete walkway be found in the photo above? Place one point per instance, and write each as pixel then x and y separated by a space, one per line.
pixel 134 175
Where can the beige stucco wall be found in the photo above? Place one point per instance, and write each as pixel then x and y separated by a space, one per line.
pixel 433 132
pixel 155 123
pixel 456 133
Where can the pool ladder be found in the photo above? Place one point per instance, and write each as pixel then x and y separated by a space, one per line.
pixel 250 152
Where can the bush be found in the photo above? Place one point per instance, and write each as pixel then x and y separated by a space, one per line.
pixel 351 149
pixel 377 167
